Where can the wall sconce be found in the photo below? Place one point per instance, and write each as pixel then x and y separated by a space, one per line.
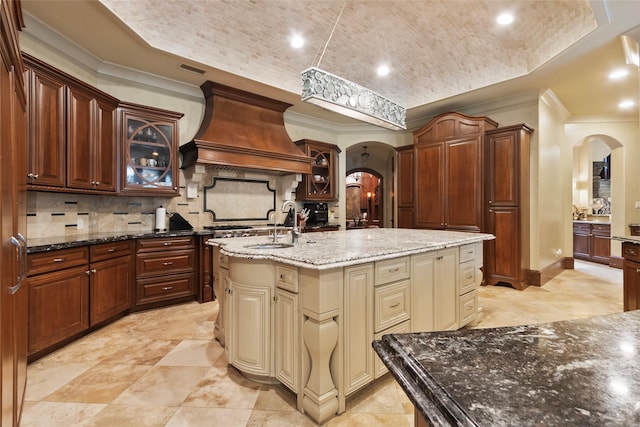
pixel 364 154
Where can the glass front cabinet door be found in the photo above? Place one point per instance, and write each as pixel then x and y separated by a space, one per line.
pixel 320 185
pixel 149 151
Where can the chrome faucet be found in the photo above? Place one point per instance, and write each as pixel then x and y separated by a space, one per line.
pixel 295 232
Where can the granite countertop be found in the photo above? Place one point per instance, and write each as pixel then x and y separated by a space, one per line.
pixel 591 221
pixel 629 239
pixel 332 249
pixel 44 244
pixel 579 372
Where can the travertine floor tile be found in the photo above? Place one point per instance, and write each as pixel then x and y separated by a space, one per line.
pixel 224 388
pixel 207 417
pixel 132 416
pixel 163 386
pixel 193 353
pixel 45 377
pixel 58 414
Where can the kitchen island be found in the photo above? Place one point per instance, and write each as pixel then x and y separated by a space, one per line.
pixel 306 315
pixel 570 373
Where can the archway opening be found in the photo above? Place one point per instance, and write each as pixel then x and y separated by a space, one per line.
pixel 364 199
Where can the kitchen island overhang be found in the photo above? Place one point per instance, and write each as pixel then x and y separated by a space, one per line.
pixel 306 316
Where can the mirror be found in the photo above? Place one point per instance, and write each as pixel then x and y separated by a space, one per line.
pixel 592 179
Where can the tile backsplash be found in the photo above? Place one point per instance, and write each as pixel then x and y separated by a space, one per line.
pixel 62 214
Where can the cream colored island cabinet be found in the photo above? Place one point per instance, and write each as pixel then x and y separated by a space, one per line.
pixel 305 316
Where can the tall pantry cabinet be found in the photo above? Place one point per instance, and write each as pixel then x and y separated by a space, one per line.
pixel 507 205
pixel 13 202
pixel 448 162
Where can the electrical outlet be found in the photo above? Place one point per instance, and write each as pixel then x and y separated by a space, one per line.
pixel 637 205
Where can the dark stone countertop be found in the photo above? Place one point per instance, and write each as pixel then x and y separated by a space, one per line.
pixel 571 373
pixel 44 244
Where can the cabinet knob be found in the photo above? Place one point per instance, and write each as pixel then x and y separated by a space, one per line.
pixel 88 272
pixel 637 270
pixel 93 270
pixel 97 182
pixel 275 298
pixel 490 202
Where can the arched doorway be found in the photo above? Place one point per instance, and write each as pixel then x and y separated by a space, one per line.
pixel 364 201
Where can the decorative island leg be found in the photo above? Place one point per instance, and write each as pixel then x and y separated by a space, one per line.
pixel 320 399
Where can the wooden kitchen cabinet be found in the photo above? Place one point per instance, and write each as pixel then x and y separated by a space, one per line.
pixel 13 203
pixel 406 208
pixel 592 242
pixel 149 144
pixel 165 270
pixel 71 132
pixel 631 276
pixel 321 183
pixel 287 339
pixel 448 166
pixel 112 279
pixel 58 284
pixel 506 205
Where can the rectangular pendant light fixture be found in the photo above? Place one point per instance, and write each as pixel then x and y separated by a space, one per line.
pixel 350 99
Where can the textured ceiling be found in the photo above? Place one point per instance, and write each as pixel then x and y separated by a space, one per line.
pixel 433 52
pixel 443 54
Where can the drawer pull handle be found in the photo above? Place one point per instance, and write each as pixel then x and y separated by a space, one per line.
pixel 167 263
pixel 637 270
pixel 58 259
pixel 469 307
pixel 167 288
pixel 167 243
pixel 394 305
pixel 275 298
pixel 111 250
pixel 393 270
pixel 469 276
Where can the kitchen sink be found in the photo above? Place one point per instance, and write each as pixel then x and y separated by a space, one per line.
pixel 274 245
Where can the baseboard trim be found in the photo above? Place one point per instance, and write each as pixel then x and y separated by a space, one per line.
pixel 616 262
pixel 540 277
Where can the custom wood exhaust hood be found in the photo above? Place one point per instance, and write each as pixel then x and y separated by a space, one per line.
pixel 241 130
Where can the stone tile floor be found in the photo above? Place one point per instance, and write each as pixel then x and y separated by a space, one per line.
pixel 163 367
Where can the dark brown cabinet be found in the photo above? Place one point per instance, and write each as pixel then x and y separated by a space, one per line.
pixel 72 132
pixel 405 187
pixel 165 270
pixel 320 184
pixel 13 202
pixel 448 172
pixel 631 276
pixel 592 242
pixel 58 285
pixel 112 278
pixel 506 205
pixel 73 290
pixel 149 141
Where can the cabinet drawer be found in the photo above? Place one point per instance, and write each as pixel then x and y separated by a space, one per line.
pixel 469 252
pixel 161 263
pixel 468 272
pixel 403 328
pixel 110 250
pixel 391 270
pixel 57 260
pixel 392 305
pixel 152 290
pixel 287 278
pixel 581 228
pixel 631 251
pixel 468 307
pixel 156 243
pixel 603 230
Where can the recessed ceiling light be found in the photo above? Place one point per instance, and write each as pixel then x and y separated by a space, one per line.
pixel 297 42
pixel 626 104
pixel 383 70
pixel 505 18
pixel 618 74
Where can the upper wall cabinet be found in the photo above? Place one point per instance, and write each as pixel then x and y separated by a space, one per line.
pixel 321 184
pixel 71 132
pixel 149 141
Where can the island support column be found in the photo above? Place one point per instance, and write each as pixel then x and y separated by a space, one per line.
pixel 321 293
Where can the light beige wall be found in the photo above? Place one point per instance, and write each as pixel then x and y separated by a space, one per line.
pixel 625 174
